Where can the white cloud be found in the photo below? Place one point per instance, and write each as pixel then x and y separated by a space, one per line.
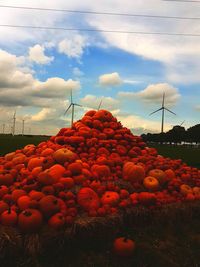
pixel 93 102
pixel 77 72
pixel 55 87
pixel 36 54
pixel 18 88
pixel 197 107
pixel 129 81
pixel 41 115
pixel 73 46
pixel 153 93
pixel 141 124
pixel 110 79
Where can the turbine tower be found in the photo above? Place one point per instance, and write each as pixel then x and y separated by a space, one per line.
pixel 163 108
pixel 72 104
pixel 23 126
pixel 14 120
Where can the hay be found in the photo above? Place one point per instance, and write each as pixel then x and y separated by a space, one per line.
pixel 93 229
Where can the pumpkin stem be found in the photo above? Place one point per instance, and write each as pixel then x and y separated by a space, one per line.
pixel 55 202
pixel 27 213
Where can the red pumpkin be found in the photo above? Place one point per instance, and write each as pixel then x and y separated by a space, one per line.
pixel 88 199
pixel 49 205
pixel 30 220
pixel 17 193
pixel 57 221
pixel 110 198
pixel 123 247
pixel 103 115
pixel 75 168
pixel 146 198
pixel 23 202
pixel 3 206
pixel 9 218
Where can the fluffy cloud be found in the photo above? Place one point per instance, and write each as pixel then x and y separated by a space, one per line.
pixel 197 107
pixel 73 46
pixel 36 54
pixel 141 125
pixel 18 88
pixel 154 93
pixel 55 87
pixel 110 79
pixel 93 102
pixel 77 72
pixel 42 114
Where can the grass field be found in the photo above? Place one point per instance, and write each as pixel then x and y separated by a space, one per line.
pixel 9 143
pixel 189 155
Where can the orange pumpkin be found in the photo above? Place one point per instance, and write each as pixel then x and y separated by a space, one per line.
pixel 63 155
pixel 35 162
pixel 158 174
pixel 151 183
pixel 133 172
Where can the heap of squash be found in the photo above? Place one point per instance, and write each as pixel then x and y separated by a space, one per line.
pixel 96 168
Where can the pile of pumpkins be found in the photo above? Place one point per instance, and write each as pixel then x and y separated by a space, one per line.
pixel 95 168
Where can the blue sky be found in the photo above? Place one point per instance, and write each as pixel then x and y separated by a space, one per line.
pixel 129 72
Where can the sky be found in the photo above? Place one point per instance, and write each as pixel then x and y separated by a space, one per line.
pixel 128 72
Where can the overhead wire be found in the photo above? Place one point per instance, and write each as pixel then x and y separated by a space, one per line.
pixel 99 13
pixel 189 1
pixel 98 30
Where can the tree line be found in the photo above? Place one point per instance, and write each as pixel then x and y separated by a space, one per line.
pixel 176 135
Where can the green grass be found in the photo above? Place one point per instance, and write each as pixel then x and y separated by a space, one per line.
pixel 189 155
pixel 9 143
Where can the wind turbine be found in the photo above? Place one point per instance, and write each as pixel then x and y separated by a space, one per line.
pixel 182 123
pixel 100 104
pixel 163 108
pixel 72 104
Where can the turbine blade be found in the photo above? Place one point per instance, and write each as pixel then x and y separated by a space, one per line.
pixel 163 101
pixel 100 104
pixel 182 123
pixel 170 111
pixel 71 96
pixel 67 109
pixel 77 105
pixel 155 111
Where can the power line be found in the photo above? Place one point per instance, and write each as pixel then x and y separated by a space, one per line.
pixel 98 30
pixel 101 13
pixel 189 1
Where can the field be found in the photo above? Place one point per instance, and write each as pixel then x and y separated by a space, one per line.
pixel 159 243
pixel 9 143
pixel 189 155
